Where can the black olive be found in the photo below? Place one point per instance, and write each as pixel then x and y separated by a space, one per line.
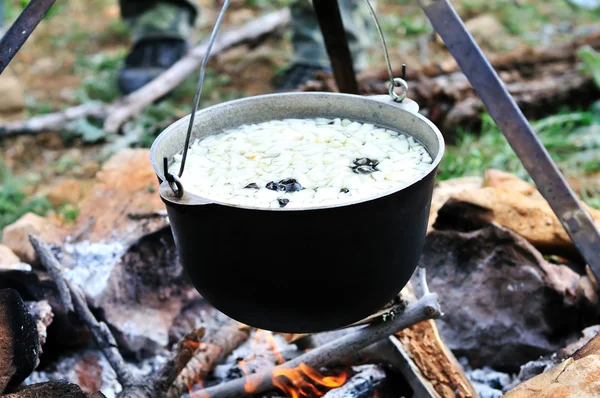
pixel 293 187
pixel 283 202
pixel 289 185
pixel 287 181
pixel 364 169
pixel 344 190
pixel 252 185
pixel 273 186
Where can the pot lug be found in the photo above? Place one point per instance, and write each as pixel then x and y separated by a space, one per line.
pixel 407 104
pixel 167 195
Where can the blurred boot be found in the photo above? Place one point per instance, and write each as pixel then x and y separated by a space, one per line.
pixel 160 31
pixel 310 54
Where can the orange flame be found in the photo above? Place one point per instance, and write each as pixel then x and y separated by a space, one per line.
pixel 261 337
pixel 300 387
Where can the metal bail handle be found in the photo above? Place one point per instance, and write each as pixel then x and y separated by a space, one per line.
pixel 173 180
pixel 394 82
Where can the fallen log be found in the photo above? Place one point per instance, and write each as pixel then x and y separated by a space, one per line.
pixel 540 80
pixel 122 109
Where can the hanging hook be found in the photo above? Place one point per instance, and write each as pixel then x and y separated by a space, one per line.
pixel 394 82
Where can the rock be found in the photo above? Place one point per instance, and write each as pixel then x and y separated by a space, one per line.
pixel 125 186
pixel 15 235
pixel 445 189
pixel 55 389
pixel 128 265
pixel 513 204
pixel 11 92
pixel 504 304
pixel 8 259
pixel 576 377
pixel 18 340
pixel 66 191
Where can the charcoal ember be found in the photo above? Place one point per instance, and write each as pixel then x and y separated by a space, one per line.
pixel 362 385
pixel 65 331
pixel 88 369
pixel 18 340
pixel 504 304
pixel 53 389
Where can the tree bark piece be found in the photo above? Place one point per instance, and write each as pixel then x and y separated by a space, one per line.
pixel 207 355
pixel 426 362
pixel 425 308
pixel 52 389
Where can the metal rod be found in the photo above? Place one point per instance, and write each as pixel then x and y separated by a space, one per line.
pixel 513 124
pixel 336 43
pixel 20 31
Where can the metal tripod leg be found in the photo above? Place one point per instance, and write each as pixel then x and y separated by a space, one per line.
pixel 521 137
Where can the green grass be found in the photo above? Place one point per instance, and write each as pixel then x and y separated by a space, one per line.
pixel 571 138
pixel 13 201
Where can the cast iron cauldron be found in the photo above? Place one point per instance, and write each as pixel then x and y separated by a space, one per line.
pixel 301 270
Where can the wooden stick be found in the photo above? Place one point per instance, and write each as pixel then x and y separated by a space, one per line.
pixel 208 354
pixel 158 385
pixel 425 308
pixel 72 297
pixel 122 109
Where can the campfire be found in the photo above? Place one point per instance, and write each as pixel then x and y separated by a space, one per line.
pixel 517 304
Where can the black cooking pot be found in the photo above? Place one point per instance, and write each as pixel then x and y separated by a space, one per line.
pixel 301 270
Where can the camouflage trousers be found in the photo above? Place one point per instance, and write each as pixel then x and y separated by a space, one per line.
pixel 175 19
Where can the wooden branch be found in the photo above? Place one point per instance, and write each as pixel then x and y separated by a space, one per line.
pixel 100 332
pixel 425 308
pixel 208 354
pixel 132 388
pixel 186 348
pixel 122 109
pixel 56 121
pixel 54 269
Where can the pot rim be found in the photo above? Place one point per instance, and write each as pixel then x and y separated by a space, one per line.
pixel 193 199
